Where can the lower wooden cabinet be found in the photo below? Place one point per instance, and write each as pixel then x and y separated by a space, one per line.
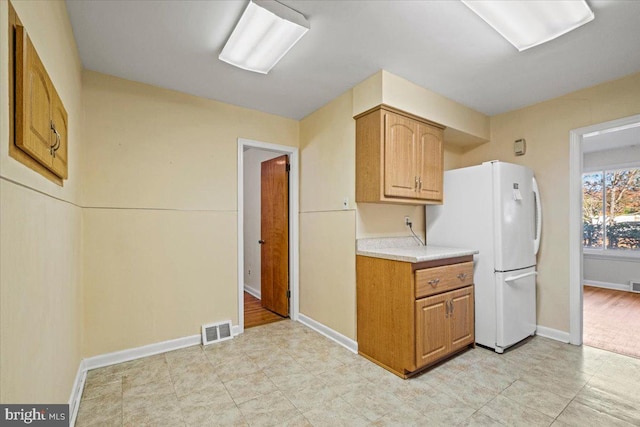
pixel 444 324
pixel 413 315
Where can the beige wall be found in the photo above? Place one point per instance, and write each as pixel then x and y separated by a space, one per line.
pixel 327 231
pixel 40 239
pixel 471 126
pixel 160 187
pixel 465 127
pixel 546 128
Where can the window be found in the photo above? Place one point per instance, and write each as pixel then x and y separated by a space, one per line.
pixel 611 210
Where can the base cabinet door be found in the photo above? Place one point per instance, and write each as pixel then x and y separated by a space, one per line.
pixel 444 324
pixel 461 318
pixel 432 329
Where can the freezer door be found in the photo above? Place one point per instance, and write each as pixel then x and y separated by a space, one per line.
pixel 514 216
pixel 516 306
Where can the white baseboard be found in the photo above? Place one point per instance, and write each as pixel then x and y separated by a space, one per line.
pixel 125 356
pixel 235 330
pixel 253 291
pixel 140 352
pixel 553 334
pixel 347 343
pixel 607 285
pixel 76 393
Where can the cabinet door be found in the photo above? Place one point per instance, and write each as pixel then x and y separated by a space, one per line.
pixel 461 317
pixel 429 162
pixel 59 120
pixel 33 102
pixel 400 145
pixel 432 329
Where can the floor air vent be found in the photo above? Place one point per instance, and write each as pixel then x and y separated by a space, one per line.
pixel 215 332
pixel 635 285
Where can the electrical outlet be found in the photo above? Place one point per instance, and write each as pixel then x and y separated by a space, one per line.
pixel 407 221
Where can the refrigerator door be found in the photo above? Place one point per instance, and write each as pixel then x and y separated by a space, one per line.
pixel 465 220
pixel 514 216
pixel 516 306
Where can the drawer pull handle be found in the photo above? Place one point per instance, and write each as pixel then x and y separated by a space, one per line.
pixel 434 282
pixel 462 276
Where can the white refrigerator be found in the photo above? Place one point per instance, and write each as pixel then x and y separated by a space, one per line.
pixel 494 208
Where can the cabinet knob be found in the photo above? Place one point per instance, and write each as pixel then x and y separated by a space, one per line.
pixel 434 282
pixel 462 276
pixel 261 242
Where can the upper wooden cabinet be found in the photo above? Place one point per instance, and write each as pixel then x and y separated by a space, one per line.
pixel 399 158
pixel 40 117
pixel 59 120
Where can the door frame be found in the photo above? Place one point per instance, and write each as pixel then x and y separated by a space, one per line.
pixel 294 284
pixel 575 218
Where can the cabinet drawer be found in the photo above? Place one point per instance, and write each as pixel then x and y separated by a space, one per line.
pixel 431 281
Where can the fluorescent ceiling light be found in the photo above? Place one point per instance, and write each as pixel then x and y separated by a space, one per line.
pixel 526 24
pixel 265 33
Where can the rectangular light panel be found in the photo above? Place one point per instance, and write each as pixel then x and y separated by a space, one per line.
pixel 528 23
pixel 265 33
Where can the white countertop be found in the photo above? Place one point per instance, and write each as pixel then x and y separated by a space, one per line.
pixel 406 249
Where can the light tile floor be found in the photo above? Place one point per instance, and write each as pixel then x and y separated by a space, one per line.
pixel 284 374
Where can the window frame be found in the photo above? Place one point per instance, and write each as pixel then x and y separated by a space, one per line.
pixel 603 252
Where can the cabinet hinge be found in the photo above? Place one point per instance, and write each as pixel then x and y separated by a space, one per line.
pixel 288 294
pixel 288 168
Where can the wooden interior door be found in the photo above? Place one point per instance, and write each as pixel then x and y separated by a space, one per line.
pixel 400 143
pixel 274 231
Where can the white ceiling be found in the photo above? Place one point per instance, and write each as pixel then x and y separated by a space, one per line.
pixel 440 45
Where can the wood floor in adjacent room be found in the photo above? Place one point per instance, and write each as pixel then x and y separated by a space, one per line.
pixel 255 314
pixel 612 320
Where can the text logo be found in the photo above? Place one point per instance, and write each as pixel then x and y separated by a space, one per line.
pixel 34 415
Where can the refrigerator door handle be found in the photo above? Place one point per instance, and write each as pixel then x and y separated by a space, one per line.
pixel 520 276
pixel 536 192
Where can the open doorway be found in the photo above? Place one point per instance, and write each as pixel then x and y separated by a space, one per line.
pixel 605 235
pixel 611 240
pixel 266 237
pixel 267 233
